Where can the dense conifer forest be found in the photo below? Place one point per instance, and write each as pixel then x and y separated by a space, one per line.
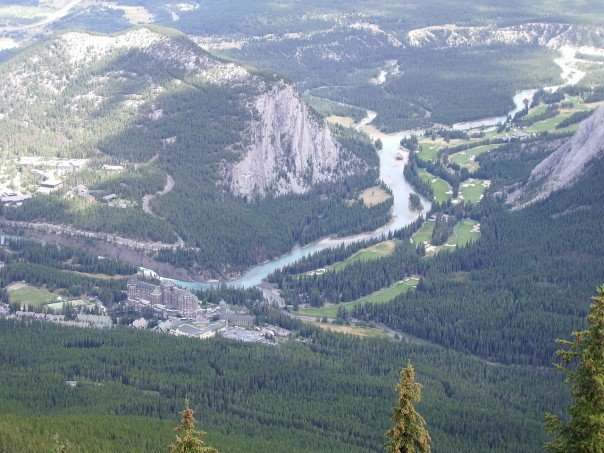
pixel 309 395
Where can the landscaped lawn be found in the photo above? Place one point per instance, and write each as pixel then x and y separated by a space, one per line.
pixel 370 253
pixel 440 187
pixel 31 296
pixel 378 297
pixel 551 123
pixel 472 190
pixel 59 305
pixel 353 330
pixel 424 234
pixel 428 151
pixel 464 232
pixel 466 159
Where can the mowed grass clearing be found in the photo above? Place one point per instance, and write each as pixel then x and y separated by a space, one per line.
pixel 551 123
pixel 30 296
pixel 352 330
pixel 373 196
pixel 466 158
pixel 344 121
pixel 464 232
pixel 374 252
pixel 428 151
pixel 424 234
pixel 472 190
pixel 440 187
pixel 378 297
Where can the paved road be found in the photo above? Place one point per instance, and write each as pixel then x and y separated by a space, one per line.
pixel 147 199
pixel 71 231
pixel 167 188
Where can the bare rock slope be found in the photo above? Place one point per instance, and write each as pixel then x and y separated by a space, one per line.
pixel 554 35
pixel 288 149
pixel 566 165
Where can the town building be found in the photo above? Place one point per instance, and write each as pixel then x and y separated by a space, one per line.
pixel 167 297
pixel 50 185
pixel 95 320
pixel 113 168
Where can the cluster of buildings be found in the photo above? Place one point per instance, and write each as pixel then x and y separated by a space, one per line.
pixel 53 173
pixel 180 314
pixel 81 320
pixel 89 195
pixel 165 298
pixel 9 196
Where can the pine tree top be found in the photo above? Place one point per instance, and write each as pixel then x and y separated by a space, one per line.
pixel 409 433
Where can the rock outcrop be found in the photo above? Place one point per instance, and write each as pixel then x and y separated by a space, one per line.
pixel 550 35
pixel 564 166
pixel 288 148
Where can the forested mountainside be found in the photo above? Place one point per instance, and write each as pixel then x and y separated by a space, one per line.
pixel 164 144
pixel 414 64
pixel 567 165
pixel 152 103
pixel 318 392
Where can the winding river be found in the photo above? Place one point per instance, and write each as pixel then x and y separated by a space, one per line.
pixel 391 173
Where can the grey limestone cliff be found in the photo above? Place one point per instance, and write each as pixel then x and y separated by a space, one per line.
pixel 564 166
pixel 288 148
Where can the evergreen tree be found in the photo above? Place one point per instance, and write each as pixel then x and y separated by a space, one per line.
pixel 188 440
pixel 584 430
pixel 59 446
pixel 409 434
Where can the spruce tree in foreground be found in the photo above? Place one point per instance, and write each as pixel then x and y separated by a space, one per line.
pixel 409 434
pixel 188 440
pixel 584 430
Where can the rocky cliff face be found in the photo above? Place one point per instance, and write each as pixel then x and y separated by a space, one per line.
pixel 566 165
pixel 288 149
pixel 550 35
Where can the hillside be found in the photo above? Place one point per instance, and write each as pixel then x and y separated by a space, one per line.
pixel 148 105
pixel 566 165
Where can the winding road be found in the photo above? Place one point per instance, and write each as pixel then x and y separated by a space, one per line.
pixel 167 188
pixel 147 199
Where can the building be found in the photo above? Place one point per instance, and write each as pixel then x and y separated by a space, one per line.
pixel 114 168
pixel 240 319
pixel 95 320
pixel 50 185
pixel 110 197
pixel 166 297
